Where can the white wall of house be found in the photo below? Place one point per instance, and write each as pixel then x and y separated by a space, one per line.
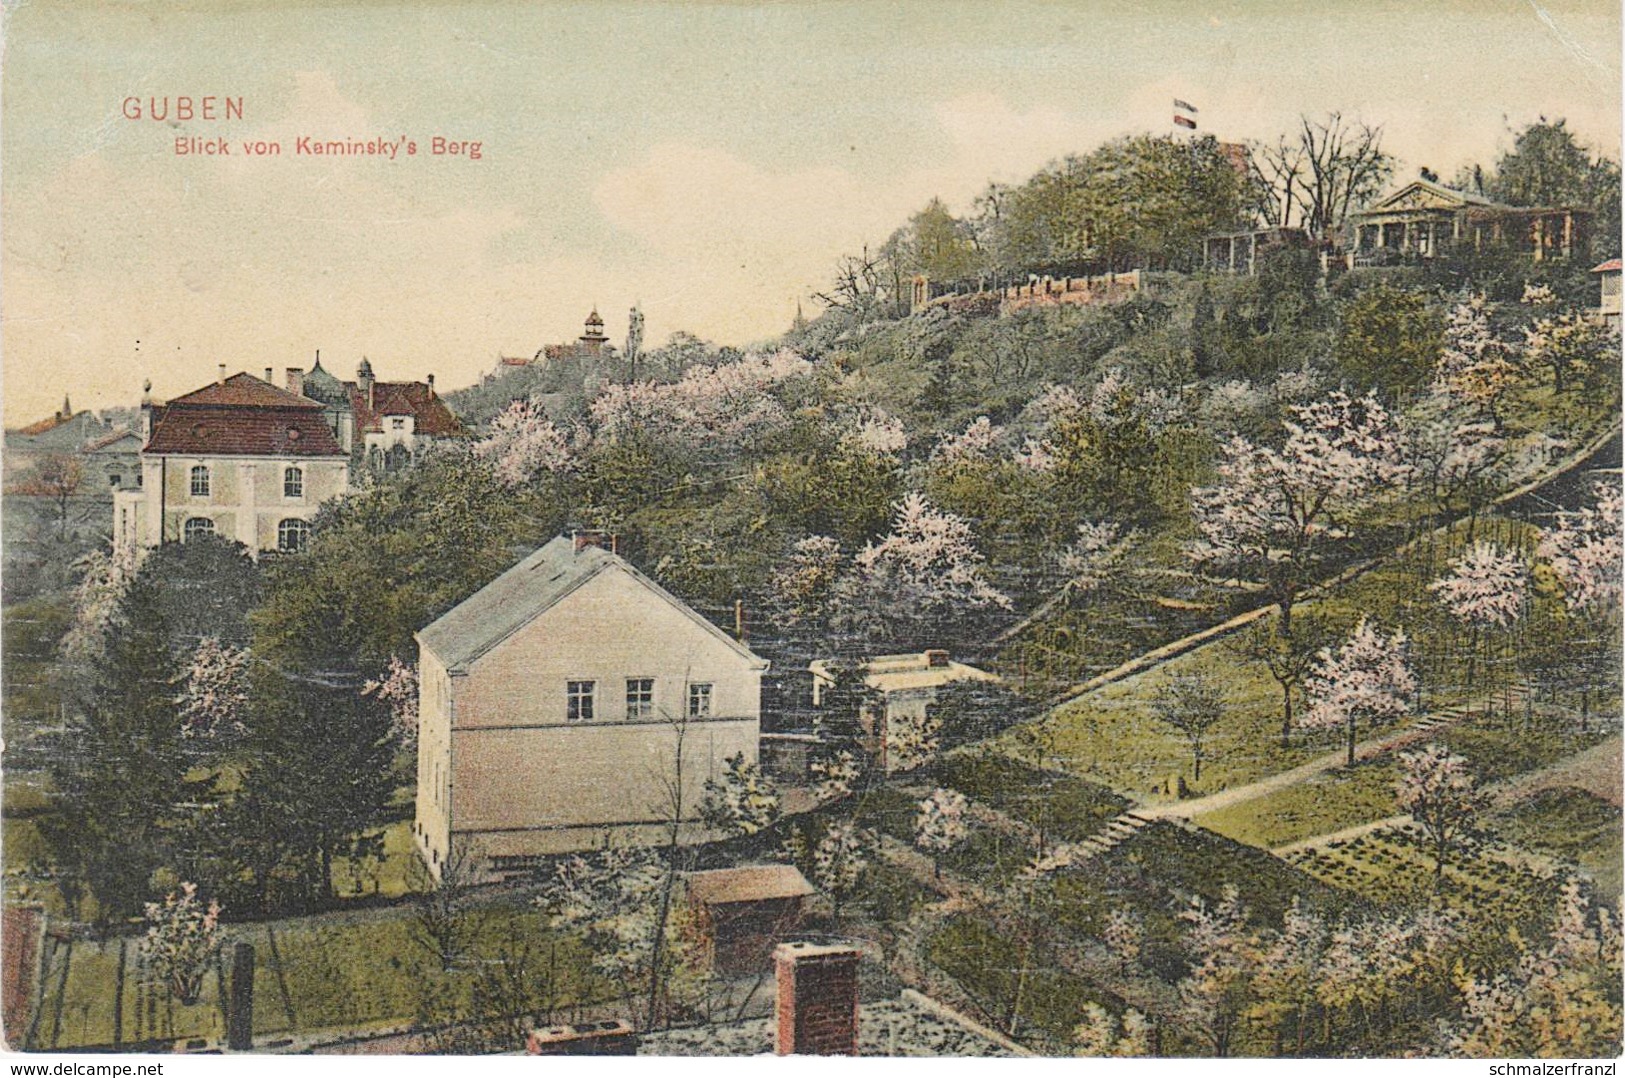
pixel 246 501
pixel 527 780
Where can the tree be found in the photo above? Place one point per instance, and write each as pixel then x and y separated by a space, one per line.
pixel 940 824
pixel 838 861
pixel 1271 514
pixel 182 939
pixel 1323 170
pixel 523 443
pixel 918 579
pixel 56 479
pixel 440 917
pixel 1487 588
pixel 1101 1034
pixel 912 738
pixel 743 803
pixel 397 688
pixel 1216 993
pixel 214 702
pixel 1288 658
pixel 1388 340
pixel 1124 937
pixel 1438 791
pixel 617 900
pixel 319 776
pixel 1366 679
pixel 120 768
pixel 1190 704
pixel 1585 550
pixel 1569 343
pixel 1547 166
pixel 1476 366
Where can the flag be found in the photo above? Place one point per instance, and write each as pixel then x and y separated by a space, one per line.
pixel 1185 121
pixel 1186 105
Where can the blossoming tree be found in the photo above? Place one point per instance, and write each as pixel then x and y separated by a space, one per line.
pixel 1366 679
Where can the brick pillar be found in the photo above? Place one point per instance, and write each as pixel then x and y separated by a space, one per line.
pixel 817 1005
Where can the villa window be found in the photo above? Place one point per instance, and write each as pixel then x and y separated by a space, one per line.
pixel 640 697
pixel 699 700
pixel 293 483
pixel 196 526
pixel 292 535
pixel 200 480
pixel 578 700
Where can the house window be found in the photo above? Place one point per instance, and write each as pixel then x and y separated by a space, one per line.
pixel 292 535
pixel 578 700
pixel 397 423
pixel 640 697
pixel 200 480
pixel 293 482
pixel 699 700
pixel 196 526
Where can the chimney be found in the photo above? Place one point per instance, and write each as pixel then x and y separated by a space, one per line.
pixel 608 1038
pixel 817 1005
pixel 431 383
pixel 270 376
pixel 936 657
pixel 222 374
pixel 296 381
pixel 584 539
pixel 739 620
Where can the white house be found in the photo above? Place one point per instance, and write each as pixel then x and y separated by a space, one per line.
pixel 556 703
pixel 240 459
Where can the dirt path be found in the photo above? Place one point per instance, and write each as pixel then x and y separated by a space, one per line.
pixel 1365 750
pixel 1595 770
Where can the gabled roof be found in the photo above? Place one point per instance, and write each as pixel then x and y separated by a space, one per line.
pixel 245 391
pixel 1610 266
pixel 430 414
pixel 526 591
pixel 747 883
pixel 1427 194
pixel 242 431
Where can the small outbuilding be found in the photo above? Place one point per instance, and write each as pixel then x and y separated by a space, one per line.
pixel 743 913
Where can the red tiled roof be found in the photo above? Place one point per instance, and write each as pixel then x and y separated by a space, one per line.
pixel 242 430
pixel 513 361
pixel 45 425
pixel 245 391
pixel 1610 266
pixel 431 416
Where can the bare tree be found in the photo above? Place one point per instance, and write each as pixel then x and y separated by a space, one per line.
pixel 1322 171
pixel 440 921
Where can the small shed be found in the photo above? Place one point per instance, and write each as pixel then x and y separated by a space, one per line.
pixel 744 912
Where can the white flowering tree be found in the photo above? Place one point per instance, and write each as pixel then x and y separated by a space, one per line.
pixel 1124 937
pixel 616 900
pixel 743 802
pixel 913 739
pixel 804 585
pixel 182 937
pixel 214 700
pixel 874 430
pixel 1223 953
pixel 924 574
pixel 941 824
pixel 1366 679
pixel 1487 590
pixel 836 776
pixel 1273 511
pixel 1475 366
pixel 106 575
pixel 1585 551
pixel 1569 343
pixel 398 689
pixel 978 441
pixel 1438 790
pixel 838 861
pixel 1098 548
pixel 523 443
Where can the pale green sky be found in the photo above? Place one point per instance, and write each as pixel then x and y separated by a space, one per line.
pixel 708 160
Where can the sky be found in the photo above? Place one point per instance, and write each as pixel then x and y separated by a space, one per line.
pixel 706 161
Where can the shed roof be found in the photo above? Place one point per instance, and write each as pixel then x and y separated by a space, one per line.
pixel 1610 266
pixel 747 883
pixel 524 592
